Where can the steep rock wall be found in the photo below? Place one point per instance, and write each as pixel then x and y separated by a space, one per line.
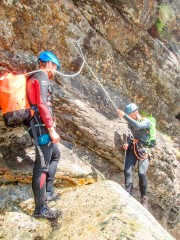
pixel 131 65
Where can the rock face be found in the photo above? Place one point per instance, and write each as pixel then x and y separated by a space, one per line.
pixel 101 211
pixel 130 64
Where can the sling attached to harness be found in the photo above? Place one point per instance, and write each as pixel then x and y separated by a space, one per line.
pixel 139 153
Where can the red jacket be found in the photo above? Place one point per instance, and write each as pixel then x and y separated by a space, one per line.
pixel 38 92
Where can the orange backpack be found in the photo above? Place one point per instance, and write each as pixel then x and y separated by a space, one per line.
pixel 13 99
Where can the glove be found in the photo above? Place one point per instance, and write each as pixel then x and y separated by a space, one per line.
pixel 125 146
pixel 120 113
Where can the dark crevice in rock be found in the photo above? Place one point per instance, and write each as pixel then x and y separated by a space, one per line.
pixel 178 116
pixel 96 30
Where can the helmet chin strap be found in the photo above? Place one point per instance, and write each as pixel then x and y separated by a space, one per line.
pixel 137 115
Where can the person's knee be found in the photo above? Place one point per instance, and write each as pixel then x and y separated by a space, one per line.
pixel 142 176
pixel 128 172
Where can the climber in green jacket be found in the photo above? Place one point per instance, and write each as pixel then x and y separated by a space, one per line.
pixel 135 149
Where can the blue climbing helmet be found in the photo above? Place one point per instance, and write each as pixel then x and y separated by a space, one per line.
pixel 130 108
pixel 48 56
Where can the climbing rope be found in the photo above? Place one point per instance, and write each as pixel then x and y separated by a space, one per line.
pixel 58 72
pixel 79 50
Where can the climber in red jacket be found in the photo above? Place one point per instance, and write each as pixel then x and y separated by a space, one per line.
pixel 39 96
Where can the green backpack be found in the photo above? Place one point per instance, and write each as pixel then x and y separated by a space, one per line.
pixel 151 139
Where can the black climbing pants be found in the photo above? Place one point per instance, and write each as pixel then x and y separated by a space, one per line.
pixel 130 162
pixel 43 177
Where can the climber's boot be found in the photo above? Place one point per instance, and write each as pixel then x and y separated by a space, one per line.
pixel 45 212
pixel 144 201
